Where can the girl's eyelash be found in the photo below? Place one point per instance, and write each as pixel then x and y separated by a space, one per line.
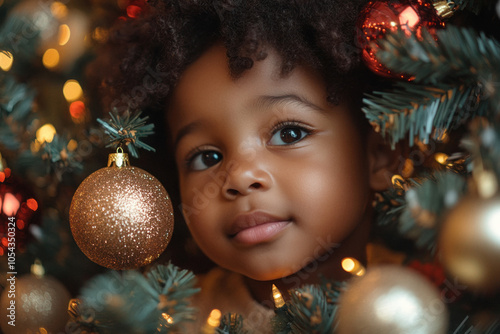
pixel 291 123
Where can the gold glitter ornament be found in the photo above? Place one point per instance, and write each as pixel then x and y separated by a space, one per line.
pixel 38 304
pixel 121 216
pixel 391 299
pixel 469 243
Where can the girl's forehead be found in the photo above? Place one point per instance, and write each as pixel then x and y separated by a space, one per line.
pixel 207 82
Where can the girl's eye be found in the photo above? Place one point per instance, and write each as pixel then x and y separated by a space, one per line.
pixel 288 135
pixel 204 160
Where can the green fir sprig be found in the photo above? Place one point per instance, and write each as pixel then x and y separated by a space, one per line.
pixel 127 130
pixel 416 209
pixel 131 303
pixel 231 323
pixel 455 79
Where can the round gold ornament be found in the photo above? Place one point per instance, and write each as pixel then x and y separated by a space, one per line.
pixel 121 216
pixel 391 300
pixel 34 305
pixel 469 243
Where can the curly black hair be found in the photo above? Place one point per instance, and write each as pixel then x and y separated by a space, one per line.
pixel 144 57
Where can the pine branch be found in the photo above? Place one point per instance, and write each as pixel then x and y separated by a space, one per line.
pixel 310 311
pixel 19 36
pixel 128 302
pixel 16 101
pixel 231 323
pixel 416 210
pixel 456 78
pixel 458 54
pixel 413 110
pixel 128 130
pixel 59 159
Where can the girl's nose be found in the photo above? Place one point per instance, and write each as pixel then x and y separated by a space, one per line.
pixel 246 177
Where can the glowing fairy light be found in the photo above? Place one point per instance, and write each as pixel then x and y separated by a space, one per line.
pixel 213 322
pixel 6 60
pixel 45 133
pixel 10 205
pixel 50 58
pixel 397 180
pixel 353 266
pixel 441 158
pixel 278 298
pixel 168 318
pixel 72 90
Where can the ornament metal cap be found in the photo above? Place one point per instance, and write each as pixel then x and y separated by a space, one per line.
pixel 118 159
pixel 444 8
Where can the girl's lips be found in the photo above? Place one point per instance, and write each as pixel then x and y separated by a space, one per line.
pixel 256 227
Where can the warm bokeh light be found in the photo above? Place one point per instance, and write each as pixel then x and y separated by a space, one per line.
pixel 441 158
pixel 72 90
pixel 214 318
pixel 20 224
pixel 133 11
pixel 2 176
pixel 59 10
pixel 397 180
pixel 45 133
pixel 168 318
pixel 64 34
pixel 72 145
pixel 278 298
pixel 10 205
pixel 50 58
pixel 77 110
pixel 6 60
pixel 353 266
pixel 408 18
pixel 32 204
pixel 100 34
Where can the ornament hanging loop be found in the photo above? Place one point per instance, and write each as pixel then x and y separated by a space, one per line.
pixel 118 159
pixel 444 8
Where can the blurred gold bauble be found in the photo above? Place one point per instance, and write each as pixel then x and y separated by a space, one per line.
pixel 391 300
pixel 469 243
pixel 41 306
pixel 121 217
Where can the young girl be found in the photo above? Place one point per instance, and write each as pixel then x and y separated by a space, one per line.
pixel 276 166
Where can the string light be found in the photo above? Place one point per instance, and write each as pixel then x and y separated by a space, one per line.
pixel 167 318
pixel 278 298
pixel 50 58
pixel 77 111
pixel 213 322
pixel 441 158
pixel 6 60
pixel 353 266
pixel 397 180
pixel 72 90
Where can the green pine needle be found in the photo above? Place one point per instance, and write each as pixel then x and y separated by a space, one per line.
pixel 127 130
pixel 231 323
pixel 456 78
pixel 131 303
pixel 415 211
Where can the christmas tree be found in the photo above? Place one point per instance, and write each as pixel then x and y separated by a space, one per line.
pixel 442 217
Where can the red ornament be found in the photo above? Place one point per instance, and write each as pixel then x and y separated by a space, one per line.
pixel 380 17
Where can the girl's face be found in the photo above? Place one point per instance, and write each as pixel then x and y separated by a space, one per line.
pixel 271 175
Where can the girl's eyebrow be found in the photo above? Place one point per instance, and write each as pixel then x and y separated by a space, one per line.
pixel 270 100
pixel 184 131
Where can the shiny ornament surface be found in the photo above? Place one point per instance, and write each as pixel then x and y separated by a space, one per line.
pixel 469 243
pixel 121 217
pixel 381 17
pixel 40 304
pixel 391 300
